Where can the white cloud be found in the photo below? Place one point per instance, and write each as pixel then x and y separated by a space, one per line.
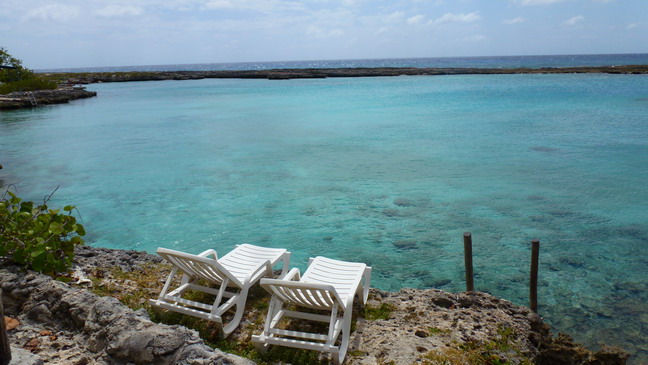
pixel 59 13
pixel 475 38
pixel 456 18
pixel 416 19
pixel 352 2
pixel 632 25
pixel 574 20
pixel 514 20
pixel 394 17
pixel 318 32
pixel 261 6
pixel 382 30
pixel 112 11
pixel 219 4
pixel 537 2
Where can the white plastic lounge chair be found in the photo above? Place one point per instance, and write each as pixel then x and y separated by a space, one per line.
pixel 327 284
pixel 239 270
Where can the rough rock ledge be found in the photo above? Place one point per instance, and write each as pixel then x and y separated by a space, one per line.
pixel 67 324
pixel 20 99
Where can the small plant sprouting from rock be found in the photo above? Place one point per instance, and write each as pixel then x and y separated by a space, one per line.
pixel 36 236
pixel 437 331
pixel 373 313
pixel 496 352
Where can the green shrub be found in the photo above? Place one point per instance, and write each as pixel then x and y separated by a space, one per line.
pixel 38 237
pixel 12 69
pixel 30 84
pixel 15 77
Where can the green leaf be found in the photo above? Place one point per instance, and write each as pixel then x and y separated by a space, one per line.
pixel 26 206
pixel 80 230
pixel 38 264
pixel 37 253
pixel 59 266
pixel 19 257
pixel 68 208
pixel 55 228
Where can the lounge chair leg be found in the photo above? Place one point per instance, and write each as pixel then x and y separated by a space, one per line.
pixel 238 315
pixel 286 264
pixel 346 335
pixel 261 347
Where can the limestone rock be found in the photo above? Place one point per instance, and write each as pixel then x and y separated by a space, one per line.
pixel 61 95
pixel 101 329
pixel 23 357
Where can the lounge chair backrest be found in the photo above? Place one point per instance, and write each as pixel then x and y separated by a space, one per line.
pixel 310 295
pixel 198 267
pixel 341 275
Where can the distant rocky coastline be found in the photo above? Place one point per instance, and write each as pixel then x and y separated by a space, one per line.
pixel 66 93
pixel 314 73
pixel 68 323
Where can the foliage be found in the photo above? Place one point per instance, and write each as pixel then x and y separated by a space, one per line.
pixel 438 331
pixel 374 313
pixel 36 83
pixel 19 78
pixel 17 72
pixel 36 236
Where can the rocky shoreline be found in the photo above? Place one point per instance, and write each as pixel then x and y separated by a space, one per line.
pixel 63 94
pixel 56 322
pixel 313 73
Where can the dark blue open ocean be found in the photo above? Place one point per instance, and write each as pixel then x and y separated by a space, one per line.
pixel 480 62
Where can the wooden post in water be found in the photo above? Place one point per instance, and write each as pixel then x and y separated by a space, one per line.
pixel 5 349
pixel 533 285
pixel 470 285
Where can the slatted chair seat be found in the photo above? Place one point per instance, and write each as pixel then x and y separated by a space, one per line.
pixel 329 285
pixel 238 270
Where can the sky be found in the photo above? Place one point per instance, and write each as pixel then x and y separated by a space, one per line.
pixel 49 34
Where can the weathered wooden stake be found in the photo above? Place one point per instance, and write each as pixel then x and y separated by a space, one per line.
pixel 533 285
pixel 5 350
pixel 470 285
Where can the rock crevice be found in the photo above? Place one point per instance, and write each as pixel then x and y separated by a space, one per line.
pixel 100 328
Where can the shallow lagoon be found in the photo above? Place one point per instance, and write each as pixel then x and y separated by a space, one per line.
pixel 389 171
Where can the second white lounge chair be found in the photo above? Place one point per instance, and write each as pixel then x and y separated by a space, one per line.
pixel 328 285
pixel 238 270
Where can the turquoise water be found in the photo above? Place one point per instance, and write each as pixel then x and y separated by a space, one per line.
pixel 388 171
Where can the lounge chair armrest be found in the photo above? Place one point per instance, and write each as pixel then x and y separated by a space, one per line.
pixel 266 266
pixel 292 275
pixel 366 284
pixel 209 252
